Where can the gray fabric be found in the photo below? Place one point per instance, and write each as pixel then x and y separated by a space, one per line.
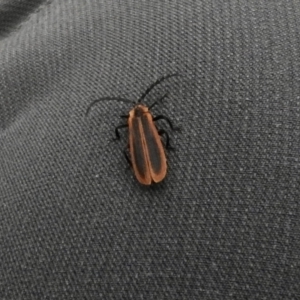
pixel 74 222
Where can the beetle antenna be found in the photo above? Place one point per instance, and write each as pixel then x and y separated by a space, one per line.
pixel 158 81
pixel 107 98
pixel 159 100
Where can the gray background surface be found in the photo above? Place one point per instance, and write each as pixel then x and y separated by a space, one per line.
pixel 74 222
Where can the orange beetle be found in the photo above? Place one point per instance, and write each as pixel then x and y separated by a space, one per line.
pixel 147 154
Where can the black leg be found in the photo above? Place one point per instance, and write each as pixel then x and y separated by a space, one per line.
pixel 168 120
pixel 127 157
pixel 124 116
pixel 117 130
pixel 164 96
pixel 161 132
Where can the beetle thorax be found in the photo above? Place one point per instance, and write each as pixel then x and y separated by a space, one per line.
pixel 139 110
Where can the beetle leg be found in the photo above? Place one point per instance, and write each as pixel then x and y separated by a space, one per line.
pixel 161 132
pixel 168 120
pixel 124 116
pixel 126 156
pixel 117 130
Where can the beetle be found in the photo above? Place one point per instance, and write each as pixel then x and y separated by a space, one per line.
pixel 147 154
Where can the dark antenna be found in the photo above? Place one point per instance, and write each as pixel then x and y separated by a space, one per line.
pixel 106 98
pixel 158 81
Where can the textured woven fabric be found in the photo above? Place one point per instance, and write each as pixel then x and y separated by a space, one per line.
pixel 74 222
